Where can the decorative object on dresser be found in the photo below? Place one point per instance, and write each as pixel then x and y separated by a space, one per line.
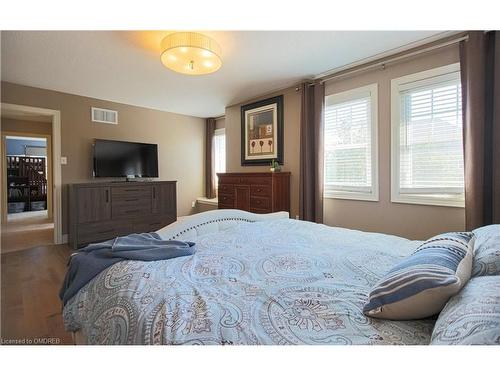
pixel 262 132
pixel 255 192
pixel 101 211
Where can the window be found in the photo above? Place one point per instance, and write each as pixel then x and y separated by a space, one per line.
pixel 427 147
pixel 350 152
pixel 219 153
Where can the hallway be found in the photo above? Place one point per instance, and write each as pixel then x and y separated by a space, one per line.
pixel 26 230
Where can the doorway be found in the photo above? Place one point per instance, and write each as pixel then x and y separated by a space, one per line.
pixel 31 210
pixel 28 186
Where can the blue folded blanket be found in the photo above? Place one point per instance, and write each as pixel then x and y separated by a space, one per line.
pixel 95 258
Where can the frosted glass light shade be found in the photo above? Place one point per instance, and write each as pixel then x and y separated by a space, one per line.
pixel 190 53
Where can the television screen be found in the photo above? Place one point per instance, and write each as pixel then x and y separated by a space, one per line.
pixel 125 159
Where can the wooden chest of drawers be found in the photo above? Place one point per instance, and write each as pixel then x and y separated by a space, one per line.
pixel 101 211
pixel 255 192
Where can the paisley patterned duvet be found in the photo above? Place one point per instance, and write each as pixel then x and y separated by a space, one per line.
pixel 278 282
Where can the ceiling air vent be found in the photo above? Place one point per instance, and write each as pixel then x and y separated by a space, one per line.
pixel 106 116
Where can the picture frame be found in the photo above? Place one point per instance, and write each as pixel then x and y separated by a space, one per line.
pixel 262 132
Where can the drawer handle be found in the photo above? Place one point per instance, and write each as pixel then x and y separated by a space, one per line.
pixel 131 211
pixel 259 190
pixel 258 202
pixel 131 200
pixel 132 190
pixel 107 196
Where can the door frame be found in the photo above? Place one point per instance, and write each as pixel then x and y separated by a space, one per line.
pixel 56 185
pixel 48 139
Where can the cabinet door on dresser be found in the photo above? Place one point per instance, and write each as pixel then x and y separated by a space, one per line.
pixel 94 204
pixel 242 198
pixel 156 199
pixel 225 194
pixel 169 200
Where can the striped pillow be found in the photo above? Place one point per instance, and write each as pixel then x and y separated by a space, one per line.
pixel 422 283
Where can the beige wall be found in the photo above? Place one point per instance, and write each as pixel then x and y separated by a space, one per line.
pixel 180 138
pixel 25 126
pixel 220 123
pixel 411 221
pixel 291 103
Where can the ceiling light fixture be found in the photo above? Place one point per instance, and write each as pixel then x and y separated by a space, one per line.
pixel 190 53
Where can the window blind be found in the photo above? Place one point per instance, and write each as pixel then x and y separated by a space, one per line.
pixel 430 138
pixel 348 156
pixel 219 153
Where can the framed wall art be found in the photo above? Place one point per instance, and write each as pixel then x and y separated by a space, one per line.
pixel 262 132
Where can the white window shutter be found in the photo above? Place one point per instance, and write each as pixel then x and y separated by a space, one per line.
pixel 429 164
pixel 350 144
pixel 219 152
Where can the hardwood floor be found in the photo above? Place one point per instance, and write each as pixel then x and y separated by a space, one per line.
pixel 26 230
pixel 30 306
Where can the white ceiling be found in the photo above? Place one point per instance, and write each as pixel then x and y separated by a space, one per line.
pixel 125 67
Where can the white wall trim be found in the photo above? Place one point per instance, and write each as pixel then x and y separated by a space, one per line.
pixel 208 201
pixel 56 160
pixel 450 200
pixel 358 92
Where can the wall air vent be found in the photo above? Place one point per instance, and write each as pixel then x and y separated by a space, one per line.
pixel 105 116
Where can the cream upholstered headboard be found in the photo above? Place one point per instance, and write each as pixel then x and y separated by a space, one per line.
pixel 188 228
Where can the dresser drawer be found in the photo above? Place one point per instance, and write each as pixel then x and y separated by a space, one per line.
pixel 226 189
pixel 121 192
pixel 152 224
pixel 256 181
pixel 229 180
pixel 131 202
pixel 95 232
pixel 130 210
pixel 260 190
pixel 260 203
pixel 226 200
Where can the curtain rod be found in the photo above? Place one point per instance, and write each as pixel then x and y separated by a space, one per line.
pixel 382 63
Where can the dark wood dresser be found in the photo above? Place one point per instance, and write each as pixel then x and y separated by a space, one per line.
pixel 101 211
pixel 255 192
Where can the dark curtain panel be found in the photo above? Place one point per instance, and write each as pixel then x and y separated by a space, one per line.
pixel 209 158
pixel 480 71
pixel 311 152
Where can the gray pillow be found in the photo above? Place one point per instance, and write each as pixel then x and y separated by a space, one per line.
pixel 487 251
pixel 472 316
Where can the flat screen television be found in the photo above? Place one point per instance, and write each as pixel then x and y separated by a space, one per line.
pixel 125 159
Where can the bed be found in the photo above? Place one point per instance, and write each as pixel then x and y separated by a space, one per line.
pixel 255 279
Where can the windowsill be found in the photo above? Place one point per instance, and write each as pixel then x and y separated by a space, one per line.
pixel 357 196
pixel 208 201
pixel 427 200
